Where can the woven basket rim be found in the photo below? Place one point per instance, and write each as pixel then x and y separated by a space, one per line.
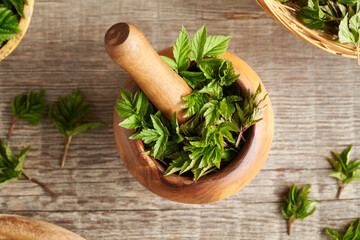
pixel 23 25
pixel 285 15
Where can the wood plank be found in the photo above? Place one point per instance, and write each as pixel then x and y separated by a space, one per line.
pixel 314 95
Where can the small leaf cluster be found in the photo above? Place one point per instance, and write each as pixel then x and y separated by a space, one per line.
pixel 248 111
pixel 218 114
pixel 344 170
pixel 352 233
pixel 341 17
pixel 10 13
pixel 326 14
pixel 297 205
pixel 10 165
pixel 66 114
pixel 30 107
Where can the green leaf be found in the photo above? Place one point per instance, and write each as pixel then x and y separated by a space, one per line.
pixel 30 107
pixel 198 44
pixel 313 16
pixel 142 103
pixel 182 50
pixel 227 108
pixel 355 176
pixel 124 109
pixel 354 23
pixel 160 145
pixel 216 46
pixel 345 35
pixel 182 163
pixel 170 62
pixel 213 89
pixel 19 6
pixel 67 112
pixel 333 234
pixel 159 127
pixel 193 79
pixel 335 164
pixel 248 111
pixel 147 135
pixel 210 67
pixel 175 129
pixel 339 175
pixel 8 25
pixel 351 167
pixel 131 122
pixel 10 166
pixel 194 102
pixel 126 95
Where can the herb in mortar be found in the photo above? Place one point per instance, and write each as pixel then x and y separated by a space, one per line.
pixel 341 17
pixel 10 13
pixel 11 167
pixel 30 107
pixel 297 205
pixel 66 114
pixel 352 233
pixel 219 115
pixel 344 171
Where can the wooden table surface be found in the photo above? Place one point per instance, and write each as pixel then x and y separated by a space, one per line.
pixel 316 103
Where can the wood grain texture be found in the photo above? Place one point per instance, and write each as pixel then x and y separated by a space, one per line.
pixel 314 95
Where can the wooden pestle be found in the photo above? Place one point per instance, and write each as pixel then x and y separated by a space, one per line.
pixel 129 48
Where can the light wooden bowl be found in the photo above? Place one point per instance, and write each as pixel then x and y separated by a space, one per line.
pixel 286 15
pixel 13 227
pixel 23 25
pixel 149 172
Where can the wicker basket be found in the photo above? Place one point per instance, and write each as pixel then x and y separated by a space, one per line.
pixel 23 25
pixel 286 15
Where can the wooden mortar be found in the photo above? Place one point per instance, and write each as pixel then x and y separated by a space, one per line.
pixel 13 227
pixel 130 49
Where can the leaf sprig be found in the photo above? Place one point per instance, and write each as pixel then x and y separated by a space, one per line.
pixel 11 167
pixel 344 170
pixel 297 205
pixel 218 112
pixel 66 114
pixel 352 233
pixel 30 107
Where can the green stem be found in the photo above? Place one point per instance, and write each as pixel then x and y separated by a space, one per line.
pixel 38 183
pixel 14 121
pixel 67 143
pixel 291 221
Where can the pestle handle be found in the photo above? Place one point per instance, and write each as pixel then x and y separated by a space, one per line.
pixel 129 48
